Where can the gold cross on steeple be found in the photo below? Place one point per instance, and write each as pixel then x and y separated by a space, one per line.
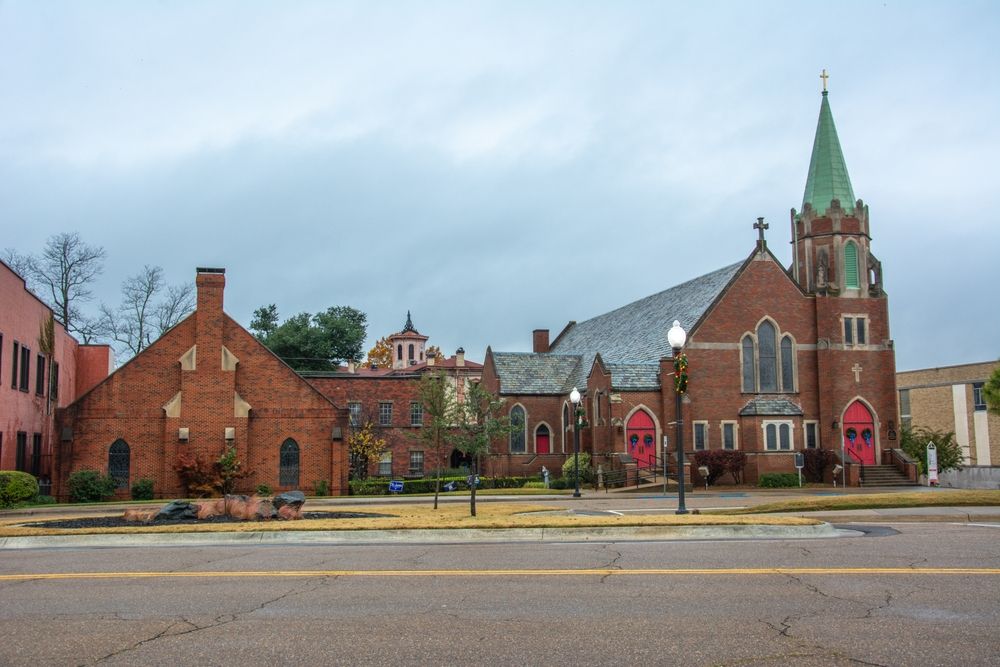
pixel 824 76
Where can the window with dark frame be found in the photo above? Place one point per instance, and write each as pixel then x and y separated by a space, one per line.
pixel 40 375
pixel 385 413
pixel 848 331
pixel 749 366
pixel 729 436
pixel 21 454
pixel 518 437
pixel 13 365
pixel 288 463
pixel 25 368
pixel 119 463
pixel 699 436
pixel 767 357
pixel 417 463
pixel 812 436
pixel 778 436
pixel 36 454
pixel 978 399
pixel 862 332
pixel 54 381
pixel 416 413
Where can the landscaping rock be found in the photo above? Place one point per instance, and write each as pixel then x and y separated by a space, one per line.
pixel 176 511
pixel 294 498
pixel 265 511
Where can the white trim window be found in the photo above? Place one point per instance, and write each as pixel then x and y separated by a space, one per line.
pixel 810 434
pixel 354 412
pixel 700 433
pixel 778 435
pixel 385 413
pixel 417 462
pixel 416 413
pixel 385 464
pixel 729 437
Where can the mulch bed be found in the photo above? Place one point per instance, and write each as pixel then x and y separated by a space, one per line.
pixel 119 522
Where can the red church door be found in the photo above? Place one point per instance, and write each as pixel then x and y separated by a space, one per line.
pixel 859 433
pixel 640 438
pixel 542 440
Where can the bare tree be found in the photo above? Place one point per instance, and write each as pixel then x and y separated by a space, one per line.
pixel 62 275
pixel 148 308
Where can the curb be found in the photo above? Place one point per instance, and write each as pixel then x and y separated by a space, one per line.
pixel 442 536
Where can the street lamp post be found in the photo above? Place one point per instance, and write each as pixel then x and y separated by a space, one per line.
pixel 574 398
pixel 676 337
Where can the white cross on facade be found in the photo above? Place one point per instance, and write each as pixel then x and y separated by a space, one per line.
pixel 857 372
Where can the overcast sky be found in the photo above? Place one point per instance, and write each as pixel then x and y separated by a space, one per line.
pixel 501 167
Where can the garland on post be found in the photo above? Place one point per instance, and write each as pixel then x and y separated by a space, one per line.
pixel 681 374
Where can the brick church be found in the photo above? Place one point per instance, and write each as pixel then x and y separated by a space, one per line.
pixel 781 359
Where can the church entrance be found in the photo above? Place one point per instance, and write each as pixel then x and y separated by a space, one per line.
pixel 542 439
pixel 640 438
pixel 859 433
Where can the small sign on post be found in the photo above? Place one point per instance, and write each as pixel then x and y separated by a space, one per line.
pixel 396 486
pixel 800 463
pixel 932 465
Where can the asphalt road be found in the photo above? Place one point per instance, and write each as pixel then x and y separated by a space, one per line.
pixel 581 604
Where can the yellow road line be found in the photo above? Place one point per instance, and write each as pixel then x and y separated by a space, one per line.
pixel 512 573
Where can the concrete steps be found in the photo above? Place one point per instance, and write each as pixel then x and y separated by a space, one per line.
pixel 886 475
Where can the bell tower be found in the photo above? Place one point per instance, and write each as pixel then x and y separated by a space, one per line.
pixel 831 238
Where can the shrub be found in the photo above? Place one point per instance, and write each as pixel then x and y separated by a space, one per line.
pixel 17 487
pixel 586 472
pixel 45 500
pixel 90 486
pixel 534 485
pixel 202 478
pixel 321 487
pixel 778 480
pixel 722 461
pixel 949 453
pixel 816 462
pixel 142 490
pixel 263 490
pixel 559 483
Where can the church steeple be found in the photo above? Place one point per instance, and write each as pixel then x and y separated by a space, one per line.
pixel 828 178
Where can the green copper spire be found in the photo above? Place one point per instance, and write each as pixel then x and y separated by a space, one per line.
pixel 828 178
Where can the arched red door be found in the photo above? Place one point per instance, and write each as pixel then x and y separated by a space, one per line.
pixel 859 433
pixel 542 439
pixel 640 438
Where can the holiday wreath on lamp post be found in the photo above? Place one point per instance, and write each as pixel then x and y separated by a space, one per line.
pixel 681 374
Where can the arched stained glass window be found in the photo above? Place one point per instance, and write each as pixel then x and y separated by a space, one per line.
pixel 787 364
pixel 119 463
pixel 288 463
pixel 749 366
pixel 517 436
pixel 767 357
pixel 851 265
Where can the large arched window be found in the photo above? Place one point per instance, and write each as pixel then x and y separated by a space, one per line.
pixel 288 463
pixel 851 265
pixel 517 436
pixel 749 365
pixel 119 463
pixel 767 365
pixel 767 357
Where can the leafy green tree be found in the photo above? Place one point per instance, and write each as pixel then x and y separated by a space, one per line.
pixel 438 402
pixel 317 342
pixel 479 422
pixel 991 391
pixel 949 452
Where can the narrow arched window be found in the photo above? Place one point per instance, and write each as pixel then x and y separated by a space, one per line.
pixel 399 352
pixel 767 357
pixel 787 364
pixel 288 463
pixel 851 265
pixel 749 367
pixel 410 351
pixel 119 463
pixel 517 436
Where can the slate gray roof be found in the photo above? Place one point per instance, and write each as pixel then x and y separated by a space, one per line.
pixel 637 333
pixel 530 373
pixel 771 407
pixel 635 377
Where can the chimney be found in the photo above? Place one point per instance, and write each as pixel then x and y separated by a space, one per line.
pixel 460 356
pixel 350 366
pixel 210 284
pixel 430 358
pixel 540 341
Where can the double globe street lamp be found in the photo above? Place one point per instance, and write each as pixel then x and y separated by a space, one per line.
pixel 676 338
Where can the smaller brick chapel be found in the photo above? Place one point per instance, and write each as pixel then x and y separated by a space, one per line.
pixel 205 385
pixel 780 359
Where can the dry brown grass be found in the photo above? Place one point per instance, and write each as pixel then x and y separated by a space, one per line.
pixel 490 515
pixel 936 498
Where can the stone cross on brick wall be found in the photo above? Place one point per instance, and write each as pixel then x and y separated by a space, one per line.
pixel 857 372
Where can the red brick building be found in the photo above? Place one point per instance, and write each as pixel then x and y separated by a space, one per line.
pixel 42 368
pixel 781 359
pixel 390 398
pixel 204 385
